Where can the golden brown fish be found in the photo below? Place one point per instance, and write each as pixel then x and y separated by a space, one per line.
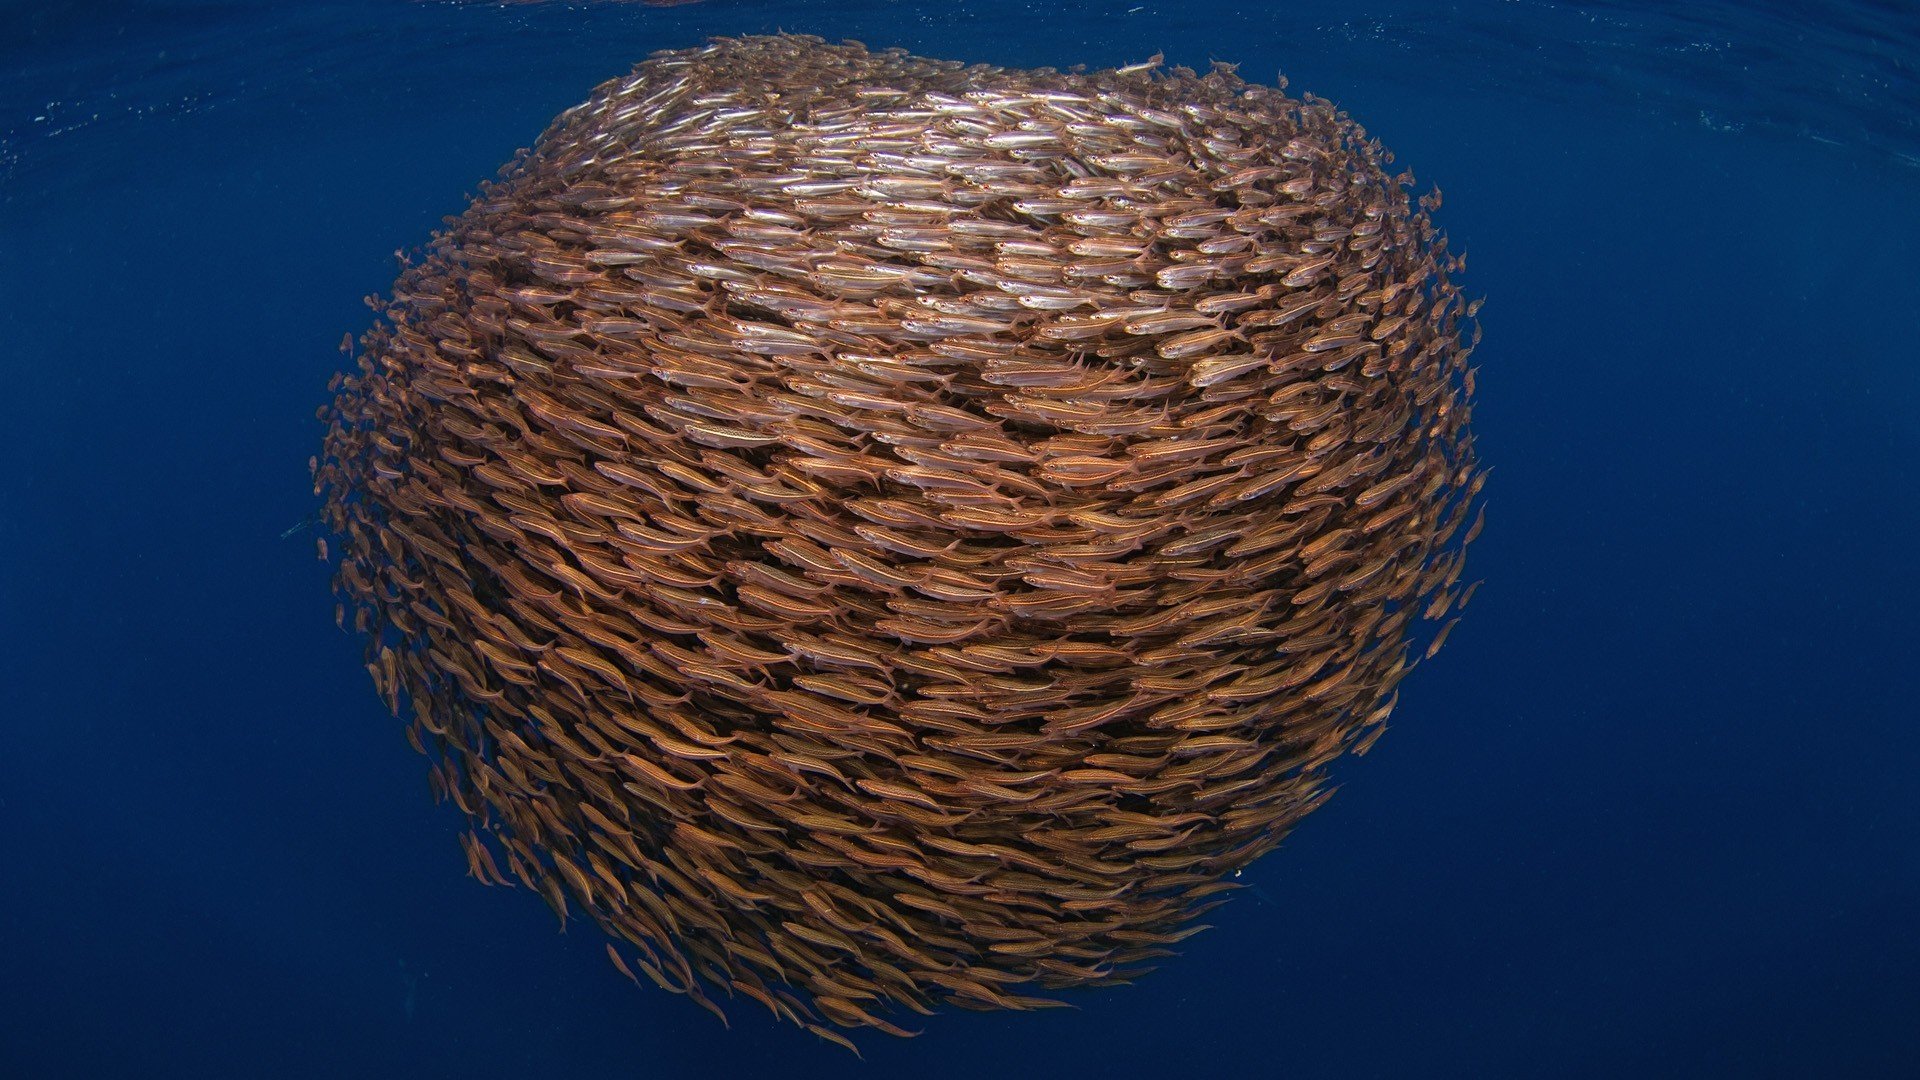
pixel 911 557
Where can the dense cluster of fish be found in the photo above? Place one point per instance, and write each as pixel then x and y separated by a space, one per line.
pixel 643 3
pixel 877 532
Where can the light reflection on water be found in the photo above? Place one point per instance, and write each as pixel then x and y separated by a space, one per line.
pixel 1841 74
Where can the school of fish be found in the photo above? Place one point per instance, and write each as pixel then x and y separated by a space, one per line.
pixel 872 532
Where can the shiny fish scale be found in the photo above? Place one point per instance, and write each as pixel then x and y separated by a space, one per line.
pixel 873 532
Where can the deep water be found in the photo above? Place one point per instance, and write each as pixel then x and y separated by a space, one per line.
pixel 1655 811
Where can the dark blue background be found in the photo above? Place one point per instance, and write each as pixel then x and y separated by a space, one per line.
pixel 1654 811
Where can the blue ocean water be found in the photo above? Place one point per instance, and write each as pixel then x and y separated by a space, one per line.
pixel 1654 811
